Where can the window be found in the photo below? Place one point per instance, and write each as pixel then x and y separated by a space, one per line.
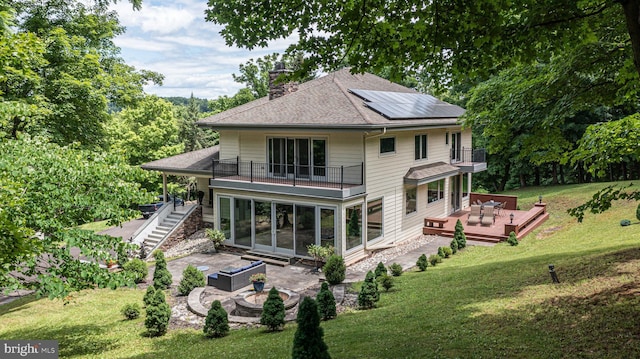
pixel 374 219
pixel 410 199
pixel 421 147
pixel 225 216
pixel 435 191
pixel 327 227
pixel 446 138
pixel 387 145
pixel 353 223
pixel 465 184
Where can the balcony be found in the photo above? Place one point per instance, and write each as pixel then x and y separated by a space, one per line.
pixel 320 181
pixel 469 160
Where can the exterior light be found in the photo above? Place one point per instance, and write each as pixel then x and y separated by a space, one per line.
pixel 511 217
pixel 552 272
pixel 540 198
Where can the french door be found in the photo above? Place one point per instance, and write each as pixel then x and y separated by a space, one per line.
pixel 299 157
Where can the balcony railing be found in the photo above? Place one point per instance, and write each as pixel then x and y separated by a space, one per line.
pixel 468 155
pixel 289 174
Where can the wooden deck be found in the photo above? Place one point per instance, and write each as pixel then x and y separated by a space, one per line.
pixel 523 223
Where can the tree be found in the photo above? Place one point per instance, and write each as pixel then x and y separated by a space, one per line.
pixel 608 143
pixel 161 276
pixel 158 315
pixel 448 39
pixel 146 132
pixel 191 278
pixel 46 191
pixel 273 311
pixel 380 269
pixel 602 200
pixel 192 136
pixel 216 324
pixel 459 236
pixel 422 262
pixel 369 294
pixel 72 72
pixel 307 341
pixel 326 302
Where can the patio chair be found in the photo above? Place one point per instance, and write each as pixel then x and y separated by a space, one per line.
pixel 478 202
pixel 500 208
pixel 488 217
pixel 475 216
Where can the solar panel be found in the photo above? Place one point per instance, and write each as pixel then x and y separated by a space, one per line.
pixel 405 106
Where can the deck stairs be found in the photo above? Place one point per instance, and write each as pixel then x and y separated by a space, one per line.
pixel 269 258
pixel 160 226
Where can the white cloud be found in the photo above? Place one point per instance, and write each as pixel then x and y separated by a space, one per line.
pixel 173 38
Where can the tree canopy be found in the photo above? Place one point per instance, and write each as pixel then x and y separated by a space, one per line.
pixel 451 40
pixel 47 190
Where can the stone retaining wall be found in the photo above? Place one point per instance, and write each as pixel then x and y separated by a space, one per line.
pixel 191 225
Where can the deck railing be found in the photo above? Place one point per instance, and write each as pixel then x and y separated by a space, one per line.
pixel 291 174
pixel 468 155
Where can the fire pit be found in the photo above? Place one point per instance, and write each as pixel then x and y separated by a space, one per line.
pixel 249 304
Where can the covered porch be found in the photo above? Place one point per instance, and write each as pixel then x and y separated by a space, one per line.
pixel 510 219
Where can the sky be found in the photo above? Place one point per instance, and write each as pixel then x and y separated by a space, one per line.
pixel 172 38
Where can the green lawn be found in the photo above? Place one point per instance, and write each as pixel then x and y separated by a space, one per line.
pixel 485 302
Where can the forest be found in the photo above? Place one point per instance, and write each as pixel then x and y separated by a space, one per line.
pixel 551 95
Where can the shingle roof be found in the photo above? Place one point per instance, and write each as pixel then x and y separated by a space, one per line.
pixel 194 162
pixel 325 102
pixel 432 171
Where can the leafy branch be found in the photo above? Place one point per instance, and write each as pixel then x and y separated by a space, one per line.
pixel 601 201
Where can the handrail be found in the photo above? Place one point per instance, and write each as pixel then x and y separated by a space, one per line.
pixel 472 155
pixel 306 175
pixel 175 227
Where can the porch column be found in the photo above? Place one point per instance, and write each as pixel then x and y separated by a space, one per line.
pixel 164 187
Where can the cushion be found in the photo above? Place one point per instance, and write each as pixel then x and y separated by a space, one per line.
pixel 213 275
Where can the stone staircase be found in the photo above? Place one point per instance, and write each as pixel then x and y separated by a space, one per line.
pixel 163 229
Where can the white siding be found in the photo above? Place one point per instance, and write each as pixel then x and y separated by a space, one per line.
pixel 229 144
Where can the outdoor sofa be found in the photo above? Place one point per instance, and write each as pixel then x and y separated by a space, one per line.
pixel 232 279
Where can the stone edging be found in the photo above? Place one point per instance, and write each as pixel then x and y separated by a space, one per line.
pixel 193 302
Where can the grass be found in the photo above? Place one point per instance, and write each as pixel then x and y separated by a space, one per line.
pixel 484 302
pixel 97 226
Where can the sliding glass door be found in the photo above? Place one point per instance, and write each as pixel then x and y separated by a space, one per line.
pixel 299 157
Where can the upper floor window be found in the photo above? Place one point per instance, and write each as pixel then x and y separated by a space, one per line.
pixel 421 147
pixel 387 145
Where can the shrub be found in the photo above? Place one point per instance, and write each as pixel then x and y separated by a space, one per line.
pixel 216 236
pixel 335 270
pixel 386 281
pixel 447 252
pixel 131 311
pixel 307 341
pixel 149 296
pixel 638 212
pixel 454 246
pixel 380 269
pixel 217 323
pixel 273 311
pixel 143 251
pixel 396 269
pixel 441 252
pixel 459 235
pixel 161 276
pixel 138 268
pixel 369 294
pixel 191 278
pixel 512 240
pixel 625 222
pixel 158 315
pixel 422 263
pixel 435 259
pixel 326 303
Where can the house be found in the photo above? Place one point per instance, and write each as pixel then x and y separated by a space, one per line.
pixel 353 161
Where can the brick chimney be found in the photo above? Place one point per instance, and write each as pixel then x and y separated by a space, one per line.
pixel 280 88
